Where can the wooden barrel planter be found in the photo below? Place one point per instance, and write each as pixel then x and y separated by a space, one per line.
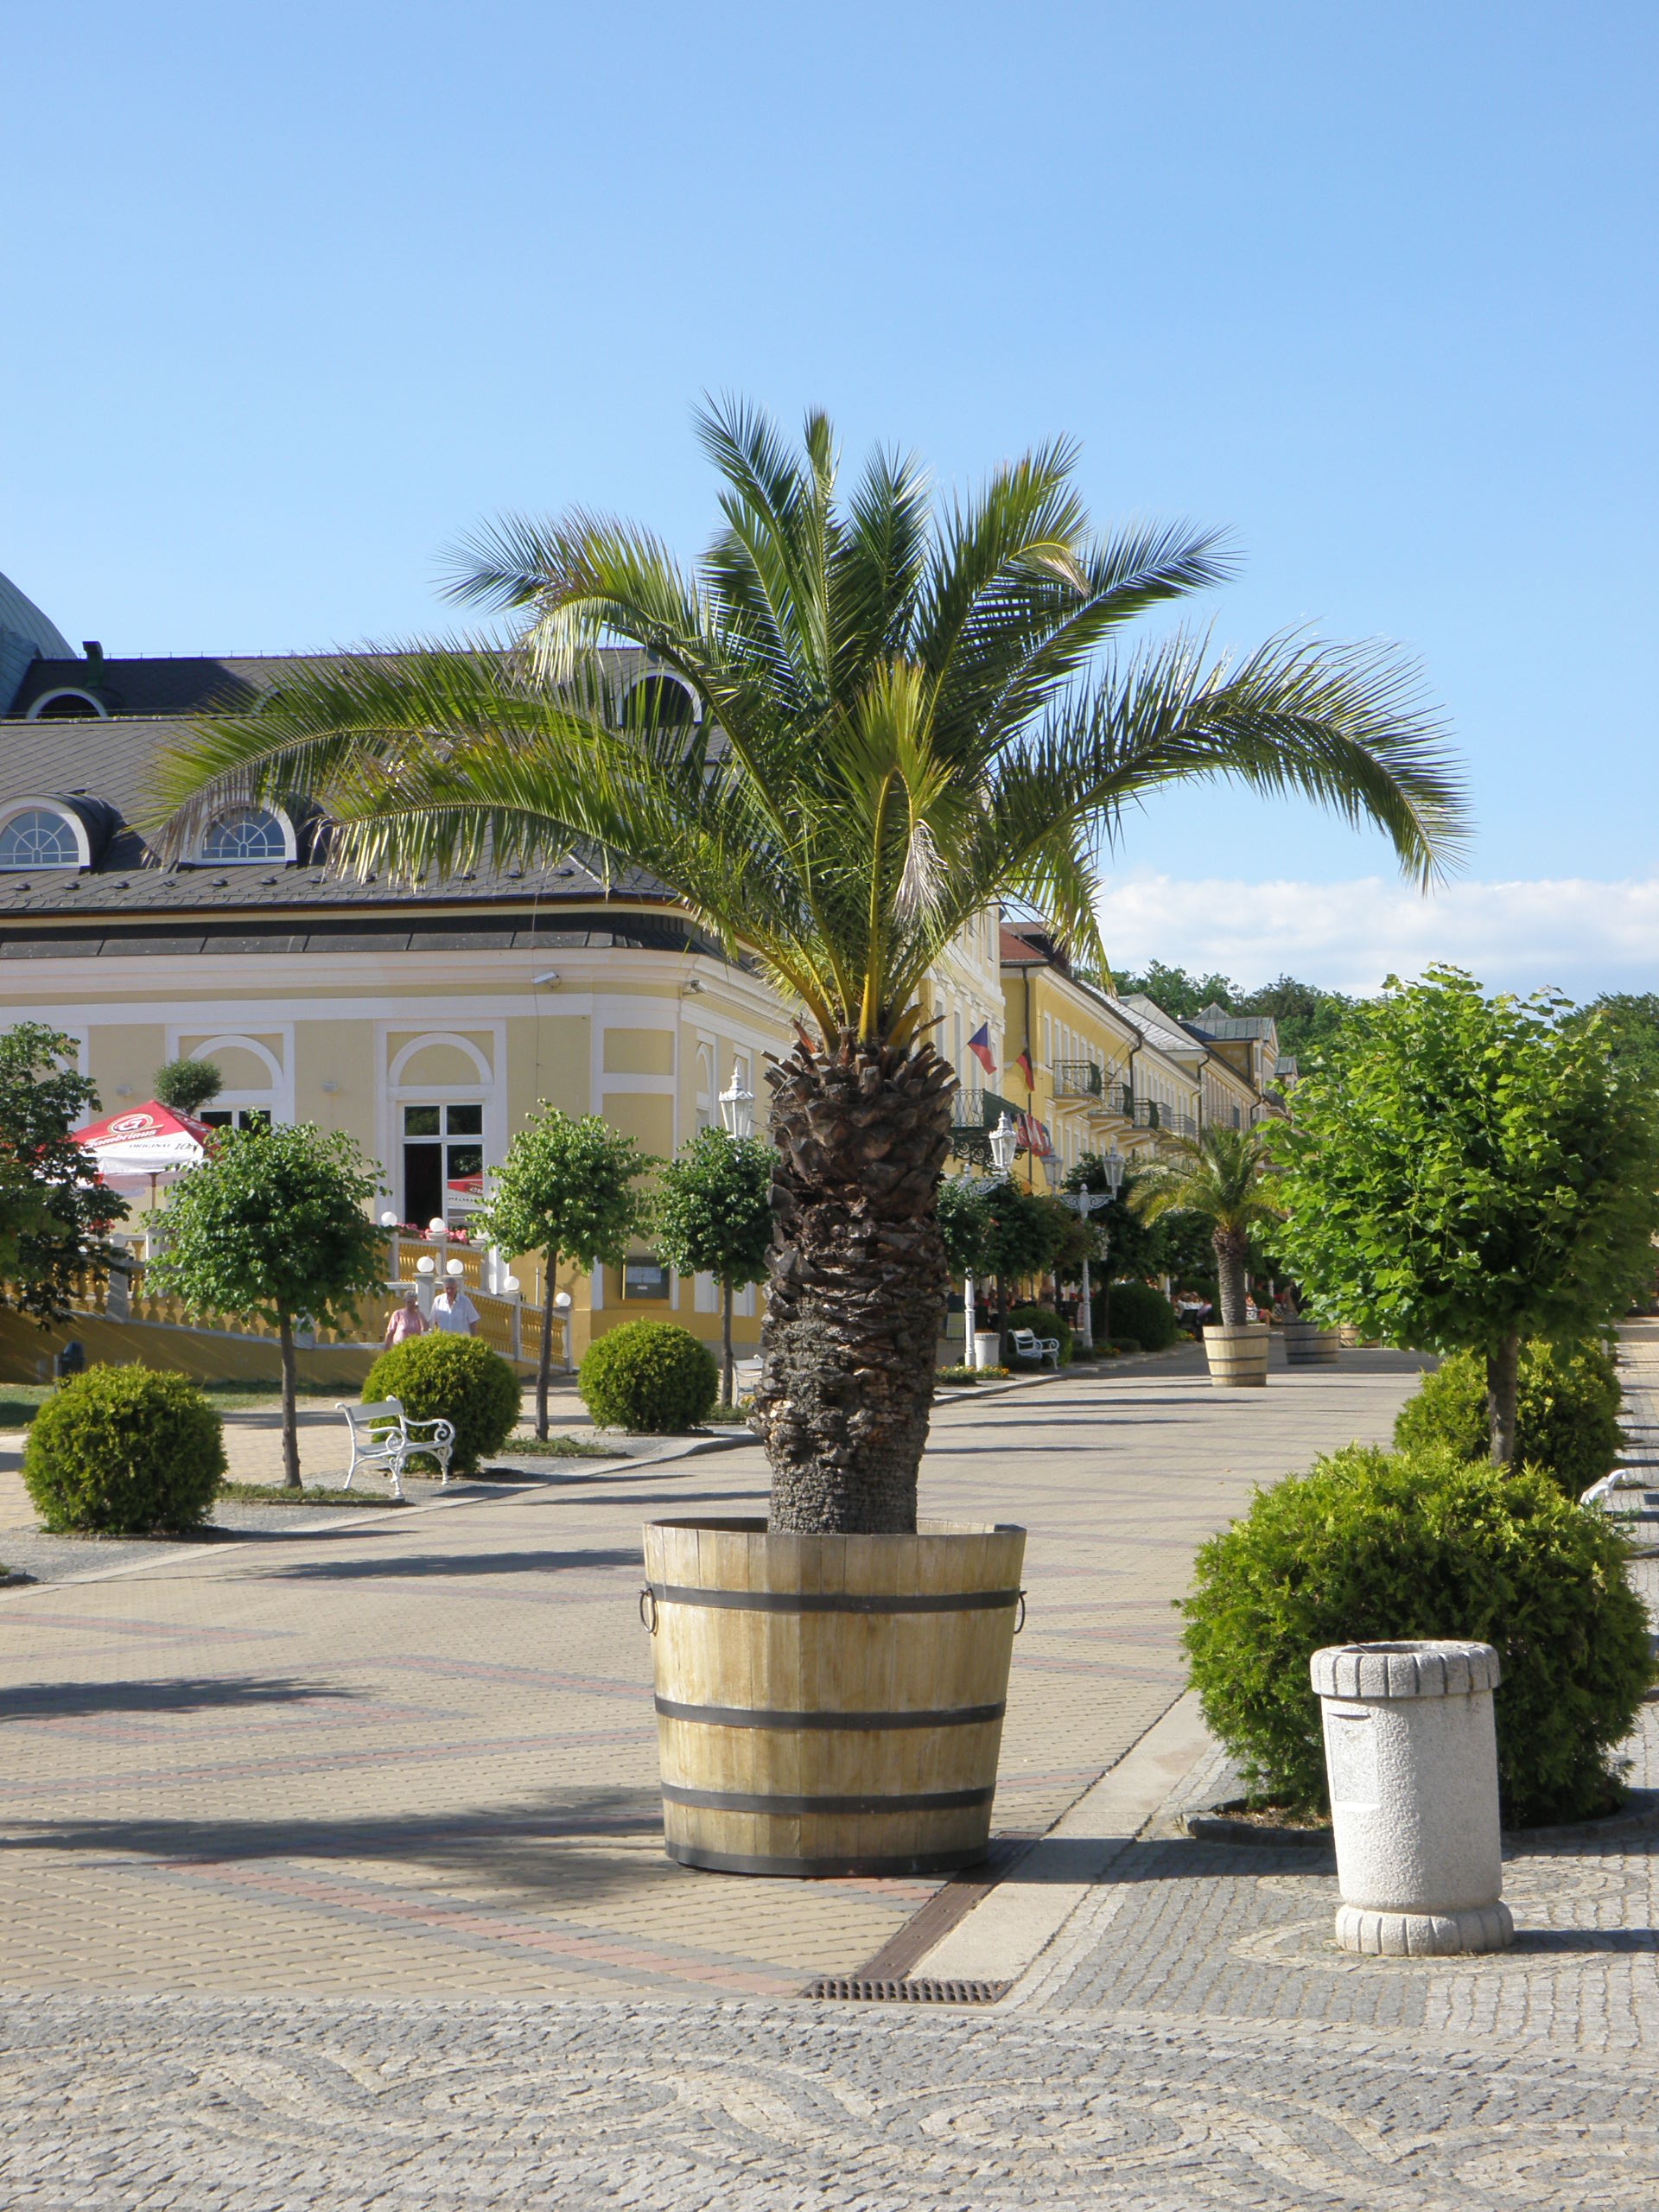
pixel 1237 1355
pixel 829 1705
pixel 1348 1336
pixel 1307 1344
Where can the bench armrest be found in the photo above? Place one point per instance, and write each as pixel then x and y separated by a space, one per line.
pixel 439 1432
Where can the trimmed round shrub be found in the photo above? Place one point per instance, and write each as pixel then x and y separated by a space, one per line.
pixel 1373 1547
pixel 1567 1412
pixel 1142 1316
pixel 119 1451
pixel 652 1378
pixel 437 1377
pixel 1044 1321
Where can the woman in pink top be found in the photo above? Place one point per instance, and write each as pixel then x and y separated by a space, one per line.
pixel 406 1321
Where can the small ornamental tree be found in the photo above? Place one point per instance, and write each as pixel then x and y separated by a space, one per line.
pixel 1022 1239
pixel 273 1224
pixel 712 1215
pixel 54 1214
pixel 567 1190
pixel 1471 1173
pixel 188 1085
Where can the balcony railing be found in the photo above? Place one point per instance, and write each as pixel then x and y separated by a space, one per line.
pixel 1078 1079
pixel 1152 1114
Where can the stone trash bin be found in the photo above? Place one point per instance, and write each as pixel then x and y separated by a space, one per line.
pixel 1411 1753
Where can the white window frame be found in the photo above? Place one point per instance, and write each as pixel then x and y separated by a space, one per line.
pixel 99 711
pixel 278 815
pixel 68 815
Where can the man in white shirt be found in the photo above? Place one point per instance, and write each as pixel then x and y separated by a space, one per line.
pixel 453 1310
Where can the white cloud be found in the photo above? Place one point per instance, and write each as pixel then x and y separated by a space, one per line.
pixel 1581 936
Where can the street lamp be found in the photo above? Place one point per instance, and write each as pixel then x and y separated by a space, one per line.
pixel 1086 1202
pixel 1005 1144
pixel 737 1110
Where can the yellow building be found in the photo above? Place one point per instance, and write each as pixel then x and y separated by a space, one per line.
pixel 1092 1071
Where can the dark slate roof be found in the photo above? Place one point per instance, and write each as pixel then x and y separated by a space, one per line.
pixel 196 684
pixel 109 766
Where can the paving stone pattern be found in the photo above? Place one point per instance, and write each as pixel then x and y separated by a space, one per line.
pixel 372 1817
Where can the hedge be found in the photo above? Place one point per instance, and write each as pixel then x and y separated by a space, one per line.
pixel 652 1378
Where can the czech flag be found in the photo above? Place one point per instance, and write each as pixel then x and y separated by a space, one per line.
pixel 980 1046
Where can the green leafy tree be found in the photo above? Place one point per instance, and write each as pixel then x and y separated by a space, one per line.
pixel 712 1215
pixel 274 1224
pixel 1472 1173
pixel 1021 1240
pixel 55 1216
pixel 870 721
pixel 1309 1019
pixel 188 1085
pixel 1220 1177
pixel 1177 990
pixel 568 1190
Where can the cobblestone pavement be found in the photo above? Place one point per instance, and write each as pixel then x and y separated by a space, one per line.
pixel 333 1878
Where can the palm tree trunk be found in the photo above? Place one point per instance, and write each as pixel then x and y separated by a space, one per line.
pixel 545 1367
pixel 857 1278
pixel 290 1408
pixel 728 1367
pixel 1502 1390
pixel 1231 1249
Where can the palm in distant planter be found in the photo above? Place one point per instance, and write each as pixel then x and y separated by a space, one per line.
pixel 901 717
pixel 1221 1177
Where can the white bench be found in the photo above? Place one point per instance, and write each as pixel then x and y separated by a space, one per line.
pixel 1023 1345
pixel 383 1436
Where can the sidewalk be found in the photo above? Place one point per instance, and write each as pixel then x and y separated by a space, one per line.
pixel 415 1753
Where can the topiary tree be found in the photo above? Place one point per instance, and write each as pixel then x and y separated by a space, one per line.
pixel 1144 1316
pixel 119 1451
pixel 1220 1178
pixel 712 1215
pixel 441 1377
pixel 55 1215
pixel 1374 1547
pixel 273 1225
pixel 1471 1172
pixel 566 1190
pixel 1566 1415
pixel 652 1378
pixel 188 1085
pixel 1020 1238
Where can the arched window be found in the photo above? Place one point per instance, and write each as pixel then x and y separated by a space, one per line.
pixel 659 703
pixel 67 706
pixel 39 836
pixel 247 834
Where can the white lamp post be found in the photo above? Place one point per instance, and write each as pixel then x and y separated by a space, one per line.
pixel 1005 1146
pixel 1086 1202
pixel 737 1110
pixel 1005 1143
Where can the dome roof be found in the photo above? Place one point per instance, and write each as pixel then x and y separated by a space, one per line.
pixel 24 620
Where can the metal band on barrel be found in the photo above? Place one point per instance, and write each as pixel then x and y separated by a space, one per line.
pixel 833 1601
pixel 744 1716
pixel 740 1800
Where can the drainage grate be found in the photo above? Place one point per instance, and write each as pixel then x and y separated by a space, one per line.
pixel 857 1990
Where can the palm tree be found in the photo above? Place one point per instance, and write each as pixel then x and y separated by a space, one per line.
pixel 1220 1176
pixel 902 714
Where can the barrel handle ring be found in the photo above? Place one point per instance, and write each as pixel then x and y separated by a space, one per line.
pixel 1019 1618
pixel 648 1597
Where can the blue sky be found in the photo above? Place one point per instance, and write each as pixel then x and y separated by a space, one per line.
pixel 295 294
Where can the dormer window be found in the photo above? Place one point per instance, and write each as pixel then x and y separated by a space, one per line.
pixel 38 836
pixel 67 705
pixel 247 835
